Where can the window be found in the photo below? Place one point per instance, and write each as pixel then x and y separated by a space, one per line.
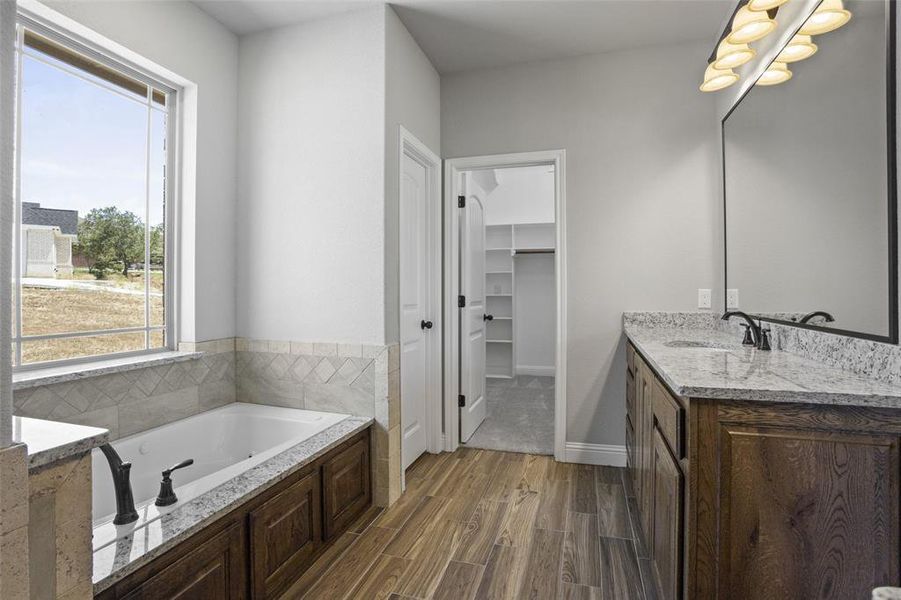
pixel 92 269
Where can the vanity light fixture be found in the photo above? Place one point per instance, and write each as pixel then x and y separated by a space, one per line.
pixel 759 5
pixel 749 26
pixel 717 79
pixel 729 56
pixel 829 16
pixel 800 47
pixel 775 74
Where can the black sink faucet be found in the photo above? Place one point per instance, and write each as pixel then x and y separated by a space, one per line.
pixel 758 336
pixel 827 318
pixel 125 502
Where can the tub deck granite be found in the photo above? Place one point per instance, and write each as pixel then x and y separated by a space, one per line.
pixel 730 371
pixel 124 556
pixel 51 441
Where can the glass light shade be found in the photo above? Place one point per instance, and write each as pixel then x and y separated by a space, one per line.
pixel 829 16
pixel 750 26
pixel 717 79
pixel 775 74
pixel 729 56
pixel 759 5
pixel 799 48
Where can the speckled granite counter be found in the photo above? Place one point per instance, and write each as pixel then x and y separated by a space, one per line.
pixel 126 554
pixel 51 441
pixel 730 371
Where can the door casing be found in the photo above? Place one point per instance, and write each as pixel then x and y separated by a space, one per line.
pixel 451 331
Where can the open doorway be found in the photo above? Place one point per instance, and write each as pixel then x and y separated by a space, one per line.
pixel 504 355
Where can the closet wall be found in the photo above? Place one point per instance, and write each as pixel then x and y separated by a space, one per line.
pixel 520 282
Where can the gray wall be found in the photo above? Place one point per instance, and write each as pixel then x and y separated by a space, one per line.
pixel 412 99
pixel 806 184
pixel 643 212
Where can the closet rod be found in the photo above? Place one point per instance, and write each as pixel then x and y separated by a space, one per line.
pixel 535 251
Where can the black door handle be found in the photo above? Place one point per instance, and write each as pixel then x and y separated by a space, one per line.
pixel 487 317
pixel 425 324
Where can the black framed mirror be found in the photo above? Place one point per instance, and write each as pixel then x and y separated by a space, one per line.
pixel 810 185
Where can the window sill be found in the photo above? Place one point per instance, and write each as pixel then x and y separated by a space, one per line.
pixel 51 375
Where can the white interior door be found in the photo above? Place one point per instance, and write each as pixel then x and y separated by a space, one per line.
pixel 472 323
pixel 415 322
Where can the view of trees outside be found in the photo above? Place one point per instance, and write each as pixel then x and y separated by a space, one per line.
pixel 97 150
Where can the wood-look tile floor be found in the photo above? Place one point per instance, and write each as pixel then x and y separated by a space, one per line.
pixel 489 525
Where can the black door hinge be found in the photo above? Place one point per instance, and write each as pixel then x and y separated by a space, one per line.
pixel 461 400
pixel 461 301
pixel 461 201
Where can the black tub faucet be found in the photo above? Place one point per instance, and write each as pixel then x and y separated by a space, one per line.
pixel 167 495
pixel 125 501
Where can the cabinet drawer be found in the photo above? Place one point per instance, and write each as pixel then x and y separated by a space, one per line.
pixel 285 533
pixel 345 481
pixel 668 414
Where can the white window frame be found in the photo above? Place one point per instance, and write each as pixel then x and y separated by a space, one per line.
pixel 29 20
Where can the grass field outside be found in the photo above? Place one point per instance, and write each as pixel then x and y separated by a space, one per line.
pixel 47 310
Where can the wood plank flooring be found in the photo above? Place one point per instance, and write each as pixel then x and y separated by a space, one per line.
pixel 485 525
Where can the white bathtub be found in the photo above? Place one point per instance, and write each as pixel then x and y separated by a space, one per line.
pixel 223 443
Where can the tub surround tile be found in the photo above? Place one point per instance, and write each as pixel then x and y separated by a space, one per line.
pixel 122 557
pixel 733 371
pixel 43 377
pixel 51 441
pixel 132 400
pixel 356 379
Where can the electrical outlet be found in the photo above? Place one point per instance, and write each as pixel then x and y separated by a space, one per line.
pixel 703 298
pixel 732 299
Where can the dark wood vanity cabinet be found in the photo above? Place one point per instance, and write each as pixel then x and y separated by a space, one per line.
pixel 655 474
pixel 748 500
pixel 263 546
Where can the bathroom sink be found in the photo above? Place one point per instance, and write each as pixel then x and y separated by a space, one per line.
pixel 693 344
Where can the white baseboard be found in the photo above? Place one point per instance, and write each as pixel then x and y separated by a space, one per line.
pixel 536 371
pixel 596 454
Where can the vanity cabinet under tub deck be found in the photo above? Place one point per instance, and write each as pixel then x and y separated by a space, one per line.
pixel 259 549
pixel 750 500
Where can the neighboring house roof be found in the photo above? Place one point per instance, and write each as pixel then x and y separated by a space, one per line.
pixel 66 220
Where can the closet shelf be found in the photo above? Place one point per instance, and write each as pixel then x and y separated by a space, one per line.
pixel 498 272
pixel 500 295
pixel 499 341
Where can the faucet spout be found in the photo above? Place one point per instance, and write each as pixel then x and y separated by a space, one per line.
pixel 827 318
pixel 125 502
pixel 753 327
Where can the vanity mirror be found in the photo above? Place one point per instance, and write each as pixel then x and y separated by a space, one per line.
pixel 810 184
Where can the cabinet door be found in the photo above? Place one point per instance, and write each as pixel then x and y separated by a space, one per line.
pixel 213 570
pixel 806 514
pixel 667 523
pixel 646 443
pixel 285 533
pixel 345 479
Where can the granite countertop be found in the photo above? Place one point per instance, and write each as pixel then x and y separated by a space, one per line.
pixel 126 554
pixel 731 371
pixel 52 441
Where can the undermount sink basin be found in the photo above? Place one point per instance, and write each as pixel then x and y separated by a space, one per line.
pixel 693 344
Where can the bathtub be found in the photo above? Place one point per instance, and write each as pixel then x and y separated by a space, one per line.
pixel 223 443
